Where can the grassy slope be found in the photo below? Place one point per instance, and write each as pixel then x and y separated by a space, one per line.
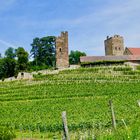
pixel 83 93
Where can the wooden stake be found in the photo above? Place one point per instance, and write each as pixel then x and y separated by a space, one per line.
pixel 138 103
pixel 112 114
pixel 124 123
pixel 21 131
pixel 65 126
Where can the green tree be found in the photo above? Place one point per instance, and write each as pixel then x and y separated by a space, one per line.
pixel 22 59
pixel 1 69
pixel 74 57
pixel 6 133
pixel 7 67
pixel 43 51
pixel 10 53
pixel 8 64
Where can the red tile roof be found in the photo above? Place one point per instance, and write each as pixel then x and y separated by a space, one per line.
pixel 109 58
pixel 134 51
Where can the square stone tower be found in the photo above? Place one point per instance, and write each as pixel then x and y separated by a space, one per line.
pixel 114 45
pixel 62 56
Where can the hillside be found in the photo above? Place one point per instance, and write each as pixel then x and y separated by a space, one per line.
pixel 32 106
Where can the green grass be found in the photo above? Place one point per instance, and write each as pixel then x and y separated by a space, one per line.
pixel 84 93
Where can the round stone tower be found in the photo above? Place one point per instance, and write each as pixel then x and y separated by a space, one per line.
pixel 114 45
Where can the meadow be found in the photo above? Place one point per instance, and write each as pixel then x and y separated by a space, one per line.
pixel 33 106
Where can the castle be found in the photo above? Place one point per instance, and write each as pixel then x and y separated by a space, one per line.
pixel 115 46
pixel 115 52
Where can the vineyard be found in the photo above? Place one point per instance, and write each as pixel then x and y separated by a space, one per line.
pixel 35 107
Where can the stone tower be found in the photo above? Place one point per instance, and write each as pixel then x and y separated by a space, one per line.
pixel 114 45
pixel 62 57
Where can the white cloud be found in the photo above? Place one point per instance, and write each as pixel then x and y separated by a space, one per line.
pixel 88 31
pixel 114 13
pixel 7 44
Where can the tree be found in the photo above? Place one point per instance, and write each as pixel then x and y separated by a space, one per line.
pixel 22 59
pixel 10 53
pixel 1 69
pixel 74 57
pixel 43 51
pixel 7 67
pixel 8 64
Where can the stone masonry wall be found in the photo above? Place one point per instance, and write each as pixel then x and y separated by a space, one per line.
pixel 62 57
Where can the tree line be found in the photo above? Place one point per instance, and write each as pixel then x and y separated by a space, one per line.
pixel 42 56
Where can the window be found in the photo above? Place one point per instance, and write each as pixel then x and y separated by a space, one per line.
pixel 22 74
pixel 60 50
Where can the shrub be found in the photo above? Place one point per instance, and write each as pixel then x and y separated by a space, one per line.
pixel 104 62
pixel 3 79
pixel 138 67
pixel 6 133
pixel 37 68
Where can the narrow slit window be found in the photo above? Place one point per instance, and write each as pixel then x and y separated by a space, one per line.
pixel 60 50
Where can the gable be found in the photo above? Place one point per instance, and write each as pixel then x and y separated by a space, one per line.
pixel 127 52
pixel 133 51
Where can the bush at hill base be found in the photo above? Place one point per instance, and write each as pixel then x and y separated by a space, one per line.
pixel 6 133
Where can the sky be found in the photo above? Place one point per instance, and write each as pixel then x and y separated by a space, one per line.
pixel 87 21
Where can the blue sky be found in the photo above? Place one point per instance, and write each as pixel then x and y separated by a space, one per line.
pixel 87 21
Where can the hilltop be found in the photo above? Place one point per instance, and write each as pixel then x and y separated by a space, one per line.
pixel 36 105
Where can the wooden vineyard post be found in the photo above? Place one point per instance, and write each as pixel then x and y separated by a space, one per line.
pixel 124 123
pixel 65 126
pixel 138 103
pixel 112 114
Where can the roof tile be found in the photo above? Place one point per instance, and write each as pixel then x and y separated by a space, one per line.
pixel 134 51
